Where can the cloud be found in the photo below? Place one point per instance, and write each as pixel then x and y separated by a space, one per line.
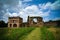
pixel 26 0
pixel 9 2
pixel 23 9
pixel 33 9
pixel 45 6
pixel 4 5
pixel 50 6
pixel 55 5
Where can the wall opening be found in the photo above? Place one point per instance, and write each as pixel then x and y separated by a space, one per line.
pixel 14 21
pixel 10 25
pixel 35 20
pixel 14 25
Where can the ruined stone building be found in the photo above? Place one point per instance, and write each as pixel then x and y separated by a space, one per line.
pixel 38 22
pixel 18 22
pixel 14 22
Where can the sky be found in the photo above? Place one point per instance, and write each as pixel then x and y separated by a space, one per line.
pixel 47 9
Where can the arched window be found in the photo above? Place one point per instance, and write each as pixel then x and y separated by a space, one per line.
pixel 35 19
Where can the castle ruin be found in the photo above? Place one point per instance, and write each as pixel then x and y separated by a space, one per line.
pixel 38 23
pixel 14 22
pixel 18 22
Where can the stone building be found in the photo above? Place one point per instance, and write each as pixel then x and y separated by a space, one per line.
pixel 18 22
pixel 15 22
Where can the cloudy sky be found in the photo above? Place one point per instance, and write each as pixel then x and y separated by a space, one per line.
pixel 48 9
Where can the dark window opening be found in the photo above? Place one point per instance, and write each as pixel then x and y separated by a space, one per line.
pixel 15 25
pixel 10 25
pixel 14 21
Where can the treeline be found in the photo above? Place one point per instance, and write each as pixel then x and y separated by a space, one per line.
pixel 55 23
pixel 3 24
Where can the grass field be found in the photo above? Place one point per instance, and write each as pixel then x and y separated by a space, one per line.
pixel 29 33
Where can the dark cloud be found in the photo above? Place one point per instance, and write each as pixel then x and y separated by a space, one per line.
pixel 5 4
pixel 9 2
pixel 1 8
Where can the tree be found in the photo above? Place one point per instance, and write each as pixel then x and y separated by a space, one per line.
pixel 3 24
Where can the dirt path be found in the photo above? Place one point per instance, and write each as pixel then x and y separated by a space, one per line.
pixel 34 35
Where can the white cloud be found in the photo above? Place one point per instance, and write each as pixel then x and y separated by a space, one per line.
pixel 32 10
pixel 55 5
pixel 24 10
pixel 14 14
pixel 27 0
pixel 46 19
pixel 49 5
pixel 35 11
pixel 45 6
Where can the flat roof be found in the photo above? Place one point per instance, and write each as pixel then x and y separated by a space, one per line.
pixel 15 17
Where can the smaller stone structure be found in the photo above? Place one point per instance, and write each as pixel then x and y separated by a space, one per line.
pixel 38 23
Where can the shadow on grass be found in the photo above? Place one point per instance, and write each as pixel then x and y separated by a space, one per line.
pixel 3 33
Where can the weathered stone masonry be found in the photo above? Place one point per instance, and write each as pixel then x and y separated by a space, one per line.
pixel 18 22
pixel 14 22
pixel 39 22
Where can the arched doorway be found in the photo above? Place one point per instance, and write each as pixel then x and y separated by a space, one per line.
pixel 14 25
pixel 10 25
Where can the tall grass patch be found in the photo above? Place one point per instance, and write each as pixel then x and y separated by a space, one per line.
pixel 46 34
pixel 14 33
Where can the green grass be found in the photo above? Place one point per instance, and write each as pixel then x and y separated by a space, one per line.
pixel 57 34
pixel 34 35
pixel 14 33
pixel 28 33
pixel 46 34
